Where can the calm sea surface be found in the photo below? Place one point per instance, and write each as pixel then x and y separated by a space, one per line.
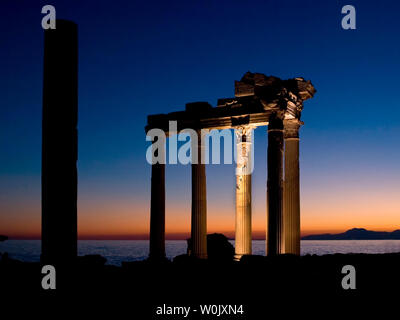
pixel 131 250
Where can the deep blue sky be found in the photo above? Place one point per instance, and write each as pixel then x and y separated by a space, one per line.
pixel 138 58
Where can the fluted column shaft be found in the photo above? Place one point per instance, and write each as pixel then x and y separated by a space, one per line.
pixel 157 210
pixel 199 202
pixel 275 236
pixel 291 193
pixel 244 168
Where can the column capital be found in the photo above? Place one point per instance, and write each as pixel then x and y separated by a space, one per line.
pixel 244 156
pixel 244 130
pixel 291 128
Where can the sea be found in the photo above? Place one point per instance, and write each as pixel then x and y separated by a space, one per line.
pixel 117 251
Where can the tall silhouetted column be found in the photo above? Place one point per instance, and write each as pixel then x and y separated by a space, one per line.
pixel 275 239
pixel 199 200
pixel 60 143
pixel 157 206
pixel 291 191
pixel 244 168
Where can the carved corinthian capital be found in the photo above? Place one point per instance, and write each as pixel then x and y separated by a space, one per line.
pixel 244 160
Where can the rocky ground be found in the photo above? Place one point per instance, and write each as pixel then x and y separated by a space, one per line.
pixel 257 283
pixel 257 286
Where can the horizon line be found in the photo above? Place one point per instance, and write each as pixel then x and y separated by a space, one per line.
pixel 257 235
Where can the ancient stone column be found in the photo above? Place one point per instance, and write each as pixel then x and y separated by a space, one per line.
pixel 157 206
pixel 199 199
pixel 275 238
pixel 244 168
pixel 291 191
pixel 60 143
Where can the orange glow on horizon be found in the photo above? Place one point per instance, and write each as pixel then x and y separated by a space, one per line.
pixel 325 209
pixel 125 225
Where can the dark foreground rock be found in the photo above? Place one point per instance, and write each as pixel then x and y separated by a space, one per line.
pixel 218 248
pixel 257 283
pixel 3 238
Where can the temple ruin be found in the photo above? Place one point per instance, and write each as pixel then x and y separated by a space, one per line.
pixel 259 101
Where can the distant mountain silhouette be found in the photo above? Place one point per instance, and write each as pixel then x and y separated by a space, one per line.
pixel 356 234
pixel 3 238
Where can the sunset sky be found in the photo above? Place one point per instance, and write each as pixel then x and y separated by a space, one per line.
pixel 138 58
